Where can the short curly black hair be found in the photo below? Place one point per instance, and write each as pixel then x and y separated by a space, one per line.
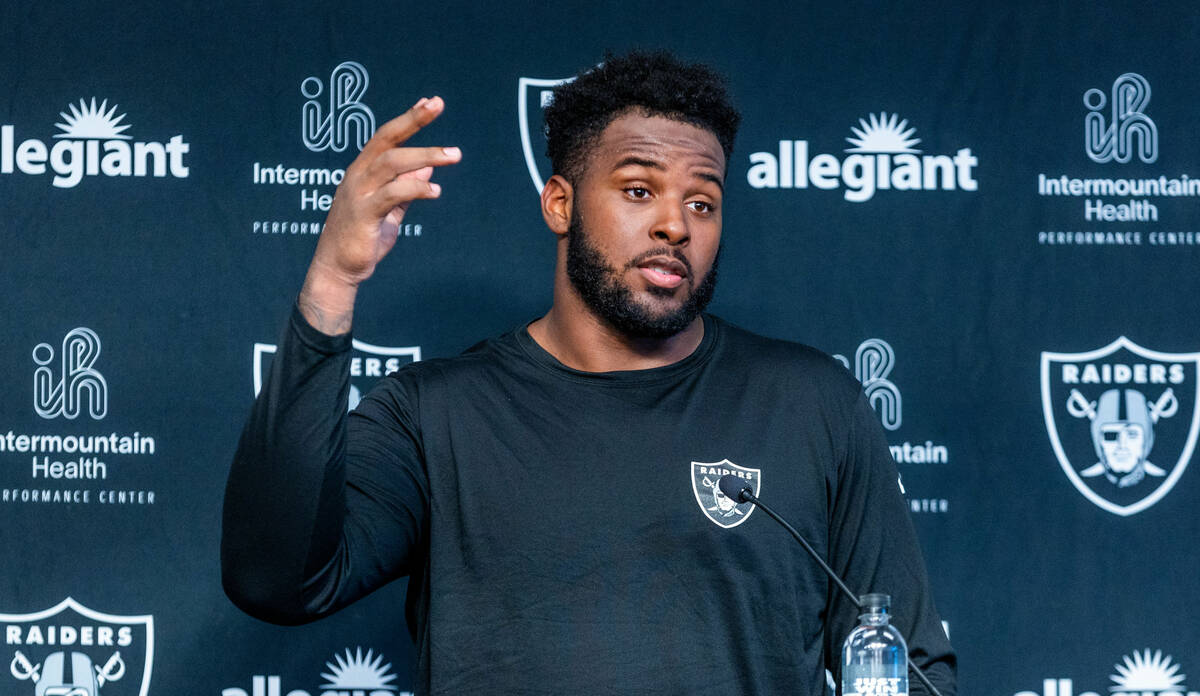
pixel 654 83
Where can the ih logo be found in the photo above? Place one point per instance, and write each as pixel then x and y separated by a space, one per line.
pixel 873 363
pixel 70 650
pixel 722 510
pixel 344 119
pixel 533 95
pixel 368 364
pixel 1114 139
pixel 1122 420
pixel 77 385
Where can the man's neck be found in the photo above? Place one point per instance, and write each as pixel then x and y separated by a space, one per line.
pixel 579 339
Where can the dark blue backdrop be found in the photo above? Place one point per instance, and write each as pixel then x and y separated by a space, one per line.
pixel 946 222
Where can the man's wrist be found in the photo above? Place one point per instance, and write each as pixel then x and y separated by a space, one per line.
pixel 327 301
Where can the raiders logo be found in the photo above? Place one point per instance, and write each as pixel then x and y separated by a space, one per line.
pixel 70 650
pixel 368 363
pixel 1122 420
pixel 533 94
pixel 719 508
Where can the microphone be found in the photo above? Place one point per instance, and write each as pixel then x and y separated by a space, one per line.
pixel 740 490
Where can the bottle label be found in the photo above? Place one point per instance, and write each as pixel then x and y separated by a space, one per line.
pixel 879 686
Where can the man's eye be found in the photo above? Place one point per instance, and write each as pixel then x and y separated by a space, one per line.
pixel 701 206
pixel 637 192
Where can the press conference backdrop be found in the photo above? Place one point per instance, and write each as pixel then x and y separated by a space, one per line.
pixel 988 211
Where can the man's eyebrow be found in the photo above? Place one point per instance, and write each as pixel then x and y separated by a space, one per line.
pixel 634 160
pixel 709 176
pixel 639 162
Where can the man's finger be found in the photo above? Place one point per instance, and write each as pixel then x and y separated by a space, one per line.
pixel 401 192
pixel 401 128
pixel 400 160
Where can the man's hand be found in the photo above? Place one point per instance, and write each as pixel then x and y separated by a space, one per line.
pixel 366 214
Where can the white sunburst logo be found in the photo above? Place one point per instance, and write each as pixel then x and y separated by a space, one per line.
pixel 356 671
pixel 1141 673
pixel 1147 672
pixel 883 134
pixel 92 122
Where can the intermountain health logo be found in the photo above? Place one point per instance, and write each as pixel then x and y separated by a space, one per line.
pixel 1122 205
pixel 534 94
pixel 68 460
pixel 78 386
pixel 92 143
pixel 70 650
pixel 1127 130
pixel 344 120
pixel 883 157
pixel 348 674
pixel 1146 673
pixel 1122 420
pixel 874 361
pixel 333 119
pixel 368 364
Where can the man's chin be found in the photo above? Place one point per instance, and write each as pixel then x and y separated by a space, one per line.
pixel 655 303
pixel 660 325
pixel 664 310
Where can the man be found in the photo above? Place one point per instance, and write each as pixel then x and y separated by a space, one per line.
pixel 540 490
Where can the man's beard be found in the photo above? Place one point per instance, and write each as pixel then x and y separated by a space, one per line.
pixel 603 291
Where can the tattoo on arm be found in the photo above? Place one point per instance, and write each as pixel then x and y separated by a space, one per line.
pixel 329 323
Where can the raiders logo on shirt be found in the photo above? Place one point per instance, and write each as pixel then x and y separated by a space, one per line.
pixel 719 508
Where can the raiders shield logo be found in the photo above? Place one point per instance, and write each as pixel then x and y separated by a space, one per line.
pixel 533 94
pixel 70 650
pixel 1122 420
pixel 722 510
pixel 368 363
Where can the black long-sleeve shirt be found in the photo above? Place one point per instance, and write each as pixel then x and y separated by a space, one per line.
pixel 559 527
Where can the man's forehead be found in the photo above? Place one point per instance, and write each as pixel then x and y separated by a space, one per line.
pixel 660 137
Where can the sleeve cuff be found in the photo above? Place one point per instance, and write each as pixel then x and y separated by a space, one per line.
pixel 314 338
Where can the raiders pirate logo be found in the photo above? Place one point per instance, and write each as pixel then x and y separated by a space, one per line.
pixel 1122 420
pixel 368 364
pixel 70 650
pixel 533 95
pixel 719 508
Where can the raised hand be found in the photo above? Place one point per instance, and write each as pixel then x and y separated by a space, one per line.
pixel 366 214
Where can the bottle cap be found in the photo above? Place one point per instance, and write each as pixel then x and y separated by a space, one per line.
pixel 876 600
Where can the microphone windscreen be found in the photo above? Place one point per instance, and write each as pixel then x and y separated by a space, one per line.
pixel 733 487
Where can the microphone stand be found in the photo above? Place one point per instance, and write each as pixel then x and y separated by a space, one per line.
pixel 745 496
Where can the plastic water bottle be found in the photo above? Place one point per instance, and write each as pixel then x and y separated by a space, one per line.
pixel 875 656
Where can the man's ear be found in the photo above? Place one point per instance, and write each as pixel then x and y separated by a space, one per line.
pixel 558 197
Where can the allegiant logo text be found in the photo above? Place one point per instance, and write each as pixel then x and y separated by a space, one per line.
pixel 882 158
pixel 92 143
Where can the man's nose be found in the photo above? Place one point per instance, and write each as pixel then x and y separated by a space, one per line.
pixel 670 224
